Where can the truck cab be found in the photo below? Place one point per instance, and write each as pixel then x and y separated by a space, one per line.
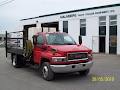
pixel 59 53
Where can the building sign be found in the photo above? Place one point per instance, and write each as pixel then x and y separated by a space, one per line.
pixel 68 16
pixel 87 14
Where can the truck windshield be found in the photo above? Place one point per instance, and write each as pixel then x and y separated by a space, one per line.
pixel 59 39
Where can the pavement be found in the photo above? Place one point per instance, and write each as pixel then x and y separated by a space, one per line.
pixel 104 75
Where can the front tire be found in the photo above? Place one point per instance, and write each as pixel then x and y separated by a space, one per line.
pixel 46 71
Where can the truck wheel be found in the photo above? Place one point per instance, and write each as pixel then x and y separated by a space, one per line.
pixel 46 71
pixel 84 73
pixel 15 62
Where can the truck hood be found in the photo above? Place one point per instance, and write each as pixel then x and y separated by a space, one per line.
pixel 71 48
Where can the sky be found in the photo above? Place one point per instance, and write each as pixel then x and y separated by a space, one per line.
pixel 12 13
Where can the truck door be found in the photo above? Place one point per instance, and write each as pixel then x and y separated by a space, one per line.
pixel 37 48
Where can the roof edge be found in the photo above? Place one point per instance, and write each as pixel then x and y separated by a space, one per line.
pixel 98 7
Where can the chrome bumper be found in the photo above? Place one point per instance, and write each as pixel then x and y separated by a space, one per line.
pixel 71 67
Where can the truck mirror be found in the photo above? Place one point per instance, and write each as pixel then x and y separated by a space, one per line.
pixel 34 40
pixel 80 40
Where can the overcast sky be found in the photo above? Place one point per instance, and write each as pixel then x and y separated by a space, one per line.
pixel 11 13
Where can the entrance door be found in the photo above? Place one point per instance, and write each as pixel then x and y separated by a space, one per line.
pixel 102 44
pixel 50 27
pixel 25 33
pixel 113 34
pixel 113 40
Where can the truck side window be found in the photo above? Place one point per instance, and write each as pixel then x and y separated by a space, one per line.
pixel 40 39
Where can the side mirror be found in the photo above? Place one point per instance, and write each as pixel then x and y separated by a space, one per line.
pixel 80 40
pixel 34 40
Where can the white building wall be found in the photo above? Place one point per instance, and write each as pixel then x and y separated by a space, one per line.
pixel 87 41
pixel 92 26
pixel 74 28
pixel 118 34
pixel 38 25
pixel 107 35
pixel 61 26
pixel 91 39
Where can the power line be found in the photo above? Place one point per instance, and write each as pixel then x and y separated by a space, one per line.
pixel 6 2
pixel 3 1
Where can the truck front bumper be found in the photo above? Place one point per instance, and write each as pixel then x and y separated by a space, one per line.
pixel 71 67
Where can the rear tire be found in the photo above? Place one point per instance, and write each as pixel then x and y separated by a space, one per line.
pixel 46 72
pixel 17 61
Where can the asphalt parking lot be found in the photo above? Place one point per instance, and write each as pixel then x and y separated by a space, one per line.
pixel 105 66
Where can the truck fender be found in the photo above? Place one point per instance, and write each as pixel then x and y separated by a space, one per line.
pixel 44 60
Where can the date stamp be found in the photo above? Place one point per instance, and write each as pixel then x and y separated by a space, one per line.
pixel 104 78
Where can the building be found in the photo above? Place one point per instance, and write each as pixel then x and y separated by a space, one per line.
pixel 98 26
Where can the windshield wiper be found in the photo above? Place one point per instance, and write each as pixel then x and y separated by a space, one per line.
pixel 69 43
pixel 57 43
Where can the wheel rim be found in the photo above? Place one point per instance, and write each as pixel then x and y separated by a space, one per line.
pixel 45 71
pixel 14 61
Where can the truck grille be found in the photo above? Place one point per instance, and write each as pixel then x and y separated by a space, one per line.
pixel 77 56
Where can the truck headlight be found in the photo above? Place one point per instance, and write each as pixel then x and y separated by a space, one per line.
pixel 90 56
pixel 59 59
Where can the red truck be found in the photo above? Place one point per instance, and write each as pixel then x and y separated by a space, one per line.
pixel 52 52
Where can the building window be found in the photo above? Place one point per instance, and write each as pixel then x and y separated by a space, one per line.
pixel 102 25
pixel 113 20
pixel 65 26
pixel 113 30
pixel 83 27
pixel 113 25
